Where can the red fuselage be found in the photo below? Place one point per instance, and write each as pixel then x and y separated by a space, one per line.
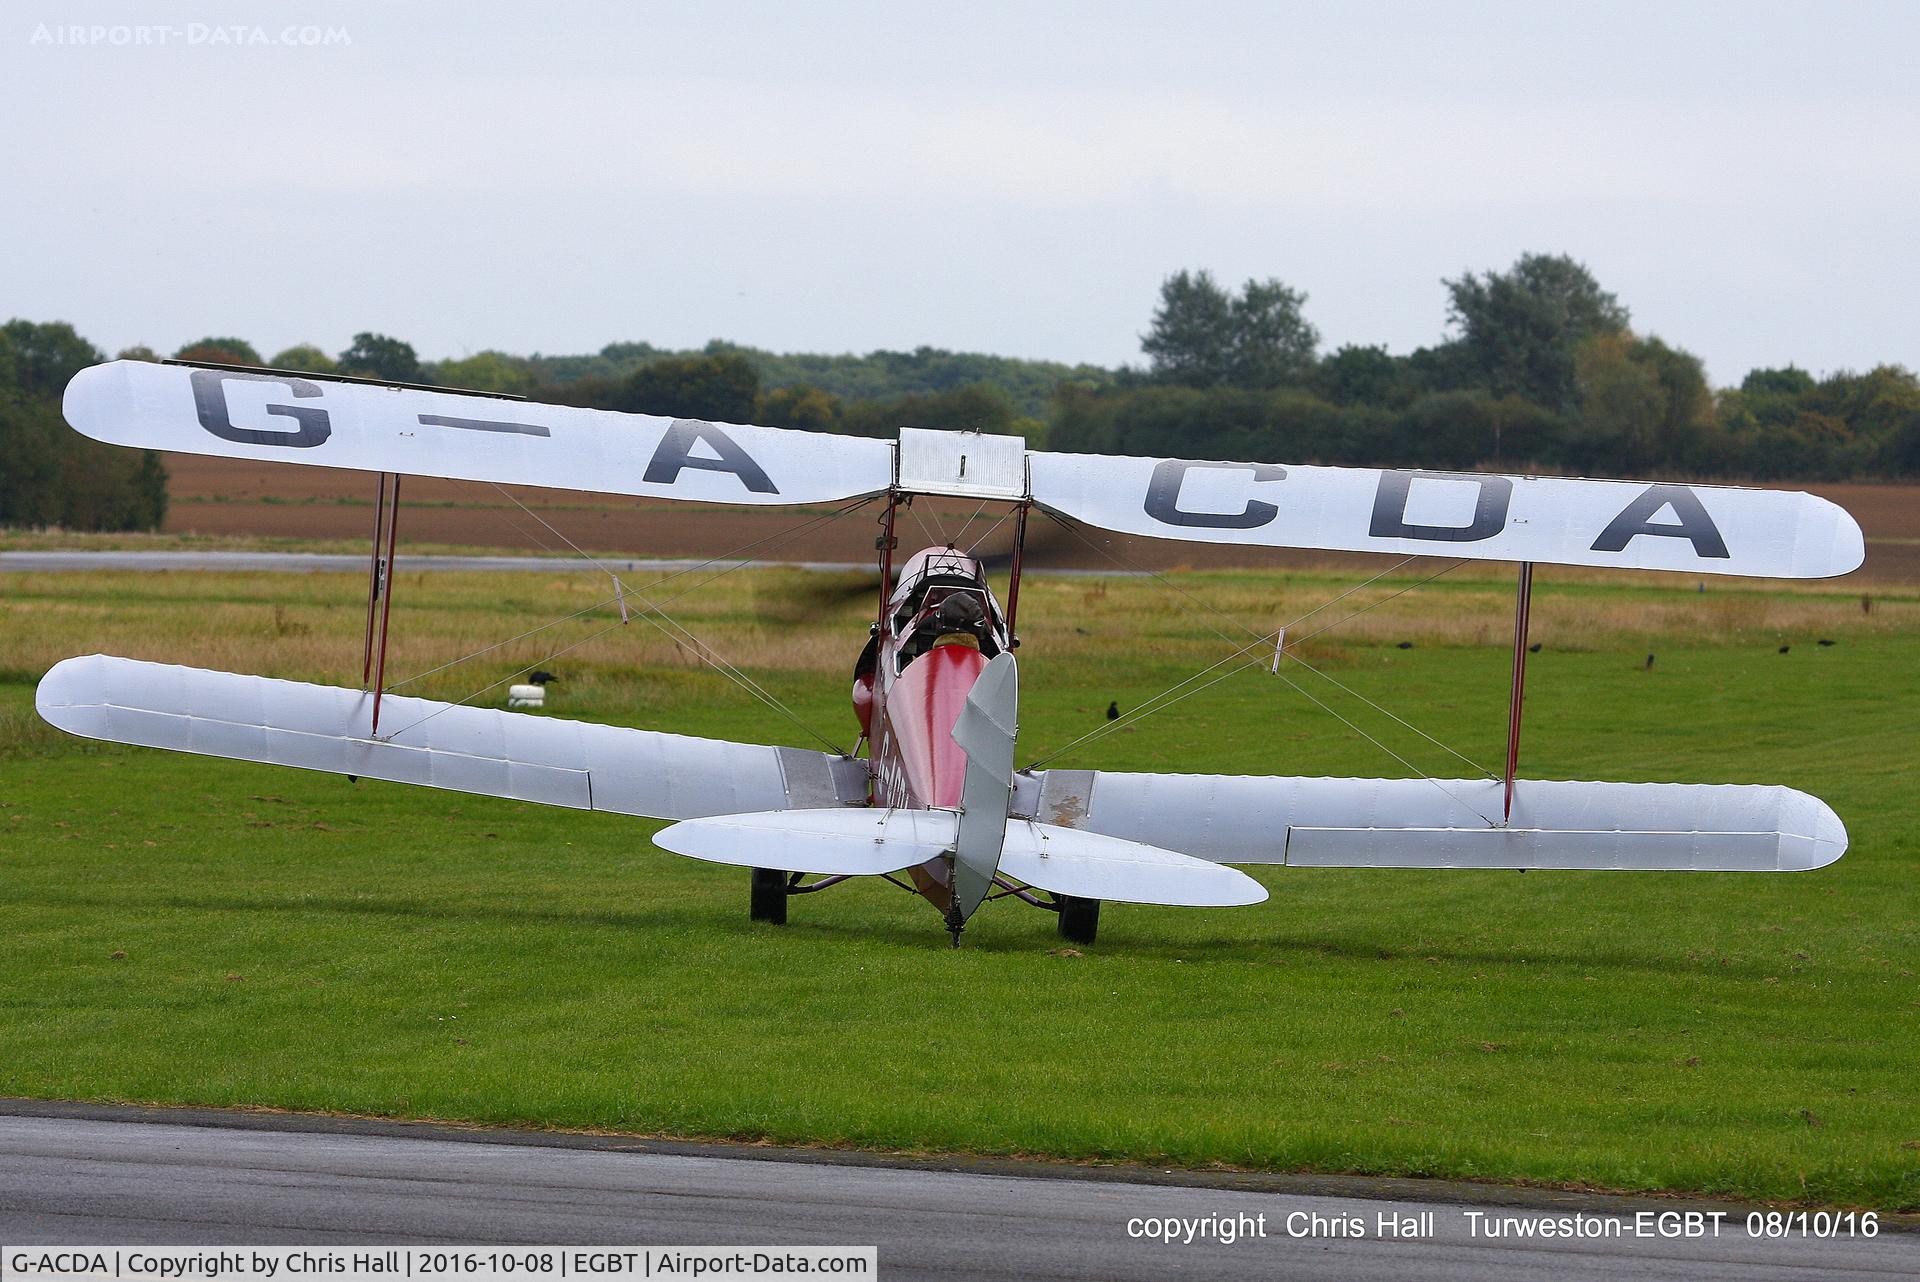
pixel 924 662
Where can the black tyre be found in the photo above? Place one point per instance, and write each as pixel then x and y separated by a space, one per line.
pixel 770 896
pixel 1079 919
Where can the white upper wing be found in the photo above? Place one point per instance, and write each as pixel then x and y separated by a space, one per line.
pixel 1707 529
pixel 295 419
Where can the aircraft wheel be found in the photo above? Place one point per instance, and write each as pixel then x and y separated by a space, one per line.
pixel 770 896
pixel 1079 919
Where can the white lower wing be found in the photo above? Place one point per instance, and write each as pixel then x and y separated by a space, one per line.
pixel 1449 823
pixel 287 418
pixel 439 745
pixel 1628 525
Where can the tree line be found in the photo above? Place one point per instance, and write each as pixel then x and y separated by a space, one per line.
pixel 50 475
pixel 1538 369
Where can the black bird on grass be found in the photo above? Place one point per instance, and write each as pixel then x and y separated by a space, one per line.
pixel 1783 649
pixel 1649 663
pixel 1405 645
pixel 540 678
pixel 1113 710
pixel 1824 641
pixel 1535 647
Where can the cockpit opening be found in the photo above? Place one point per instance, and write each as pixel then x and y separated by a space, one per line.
pixel 943 600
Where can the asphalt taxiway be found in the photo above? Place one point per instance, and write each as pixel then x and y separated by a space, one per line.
pixel 76 1174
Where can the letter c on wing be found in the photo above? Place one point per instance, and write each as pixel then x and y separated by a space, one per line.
pixel 1163 496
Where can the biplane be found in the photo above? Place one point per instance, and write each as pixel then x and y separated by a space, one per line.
pixel 936 802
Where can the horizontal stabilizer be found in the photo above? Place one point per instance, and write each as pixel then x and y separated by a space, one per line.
pixel 480 750
pixel 857 842
pixel 1091 866
pixel 1446 823
pixel 875 841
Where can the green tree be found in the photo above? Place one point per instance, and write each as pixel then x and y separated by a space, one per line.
pixel 801 406
pixel 977 407
pixel 488 371
pixel 1519 330
pixel 219 351
pixel 1621 405
pixel 1446 430
pixel 50 474
pixel 1273 345
pixel 1643 405
pixel 30 472
pixel 138 352
pixel 718 389
pixel 1360 376
pixel 1202 336
pixel 45 356
pixel 1788 381
pixel 1687 415
pixel 306 358
pixel 1190 340
pixel 378 356
pixel 1900 455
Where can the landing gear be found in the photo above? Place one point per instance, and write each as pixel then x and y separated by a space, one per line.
pixel 1079 918
pixel 769 902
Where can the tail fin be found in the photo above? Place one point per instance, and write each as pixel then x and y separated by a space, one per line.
pixel 985 732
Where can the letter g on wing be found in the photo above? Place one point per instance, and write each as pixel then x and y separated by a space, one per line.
pixel 210 400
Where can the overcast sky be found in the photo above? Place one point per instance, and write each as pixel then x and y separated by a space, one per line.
pixel 1019 179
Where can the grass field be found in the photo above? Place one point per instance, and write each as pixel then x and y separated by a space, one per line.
pixel 183 930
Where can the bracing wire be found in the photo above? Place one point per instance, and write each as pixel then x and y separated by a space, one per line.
pixel 792 531
pixel 565 618
pixel 1389 751
pixel 1004 518
pixel 961 537
pixel 1158 703
pixel 934 538
pixel 683 635
pixel 653 614
pixel 1418 583
pixel 1388 713
pixel 1176 693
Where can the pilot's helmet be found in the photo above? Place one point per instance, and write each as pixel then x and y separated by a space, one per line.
pixel 960 612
